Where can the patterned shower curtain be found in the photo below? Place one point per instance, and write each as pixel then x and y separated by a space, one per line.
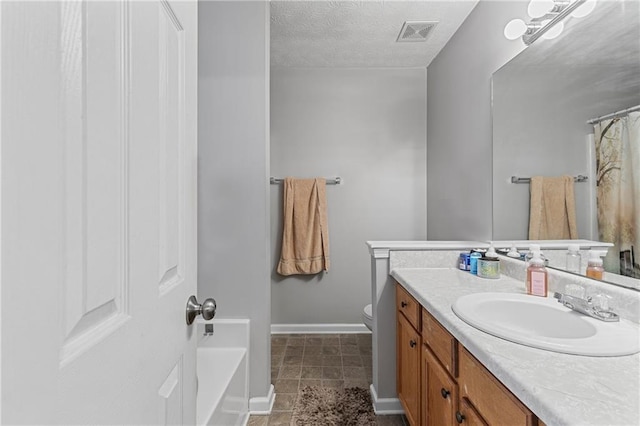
pixel 618 191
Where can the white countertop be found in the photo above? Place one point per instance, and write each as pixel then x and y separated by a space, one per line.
pixel 560 389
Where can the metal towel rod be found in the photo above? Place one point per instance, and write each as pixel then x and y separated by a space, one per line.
pixel 516 179
pixel 330 181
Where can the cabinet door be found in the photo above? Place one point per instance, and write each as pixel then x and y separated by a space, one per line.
pixel 494 401
pixel 408 369
pixel 468 416
pixel 439 392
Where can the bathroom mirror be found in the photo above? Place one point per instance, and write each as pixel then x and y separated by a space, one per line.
pixel 542 100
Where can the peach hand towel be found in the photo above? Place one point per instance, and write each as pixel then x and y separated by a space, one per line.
pixel 305 237
pixel 552 209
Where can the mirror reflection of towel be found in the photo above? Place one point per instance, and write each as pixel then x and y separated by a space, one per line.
pixel 552 213
pixel 305 237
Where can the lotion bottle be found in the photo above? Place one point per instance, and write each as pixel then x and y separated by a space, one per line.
pixel 594 267
pixel 537 278
pixel 574 259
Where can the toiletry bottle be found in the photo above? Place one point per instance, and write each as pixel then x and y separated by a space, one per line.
pixel 537 279
pixel 594 267
pixel 532 249
pixel 513 252
pixel 574 259
pixel 473 260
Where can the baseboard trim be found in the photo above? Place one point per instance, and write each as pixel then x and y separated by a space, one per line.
pixel 262 405
pixel 319 329
pixel 385 406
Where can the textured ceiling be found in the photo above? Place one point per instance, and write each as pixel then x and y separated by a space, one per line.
pixel 359 33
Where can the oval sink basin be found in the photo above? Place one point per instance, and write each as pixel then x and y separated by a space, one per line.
pixel 543 323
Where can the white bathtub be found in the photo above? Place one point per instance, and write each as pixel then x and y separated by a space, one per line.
pixel 222 369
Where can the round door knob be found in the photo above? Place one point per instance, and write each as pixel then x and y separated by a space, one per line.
pixel 459 417
pixel 445 393
pixel 412 343
pixel 207 309
pixel 403 304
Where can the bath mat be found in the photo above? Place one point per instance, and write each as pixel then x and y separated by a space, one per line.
pixel 319 406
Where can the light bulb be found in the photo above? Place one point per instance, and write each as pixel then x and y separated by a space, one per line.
pixel 584 9
pixel 553 32
pixel 514 29
pixel 539 8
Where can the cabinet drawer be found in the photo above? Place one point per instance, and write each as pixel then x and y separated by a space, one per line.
pixel 493 401
pixel 443 344
pixel 406 304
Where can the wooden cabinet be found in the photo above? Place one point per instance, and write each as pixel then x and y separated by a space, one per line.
pixel 408 354
pixel 439 390
pixel 408 364
pixel 440 383
pixel 467 415
pixel 490 398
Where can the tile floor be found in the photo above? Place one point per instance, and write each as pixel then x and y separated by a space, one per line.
pixel 329 360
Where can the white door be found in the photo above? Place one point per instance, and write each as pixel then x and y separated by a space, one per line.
pixel 98 209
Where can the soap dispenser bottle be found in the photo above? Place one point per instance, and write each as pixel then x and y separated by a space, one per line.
pixel 532 249
pixel 574 259
pixel 537 278
pixel 594 267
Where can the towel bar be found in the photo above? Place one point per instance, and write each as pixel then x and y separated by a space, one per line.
pixel 330 181
pixel 516 179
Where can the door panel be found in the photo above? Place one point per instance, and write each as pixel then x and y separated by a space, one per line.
pixel 98 206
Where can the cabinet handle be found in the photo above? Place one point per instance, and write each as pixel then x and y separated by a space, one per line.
pixel 445 393
pixel 459 417
pixel 403 304
pixel 412 343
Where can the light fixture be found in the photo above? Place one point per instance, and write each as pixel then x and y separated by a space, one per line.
pixel 539 8
pixel 547 16
pixel 553 32
pixel 586 8
pixel 515 29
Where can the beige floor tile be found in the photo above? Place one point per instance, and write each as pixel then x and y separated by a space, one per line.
pixel 309 382
pixel 258 421
pixel 292 360
pixel 290 372
pixel 286 385
pixel 350 350
pixel 280 419
pixel 331 350
pixel 336 384
pixel 330 341
pixel 285 401
pixel 278 340
pixel 312 360
pixel 332 360
pixel 313 341
pixel 352 361
pixel 311 372
pixel 354 373
pixel 332 373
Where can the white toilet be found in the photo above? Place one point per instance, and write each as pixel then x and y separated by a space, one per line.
pixel 367 317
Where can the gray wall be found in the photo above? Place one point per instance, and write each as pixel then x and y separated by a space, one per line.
pixel 233 143
pixel 459 137
pixel 368 127
pixel 542 100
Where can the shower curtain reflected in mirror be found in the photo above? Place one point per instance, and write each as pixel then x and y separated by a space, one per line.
pixel 617 149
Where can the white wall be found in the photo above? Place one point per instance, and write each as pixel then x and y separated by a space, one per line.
pixel 367 126
pixel 459 137
pixel 233 135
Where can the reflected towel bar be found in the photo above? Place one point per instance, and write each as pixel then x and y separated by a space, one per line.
pixel 516 179
pixel 330 181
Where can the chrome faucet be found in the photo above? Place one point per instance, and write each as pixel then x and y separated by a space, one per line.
pixel 598 309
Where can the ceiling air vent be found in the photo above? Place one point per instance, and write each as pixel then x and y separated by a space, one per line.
pixel 416 30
